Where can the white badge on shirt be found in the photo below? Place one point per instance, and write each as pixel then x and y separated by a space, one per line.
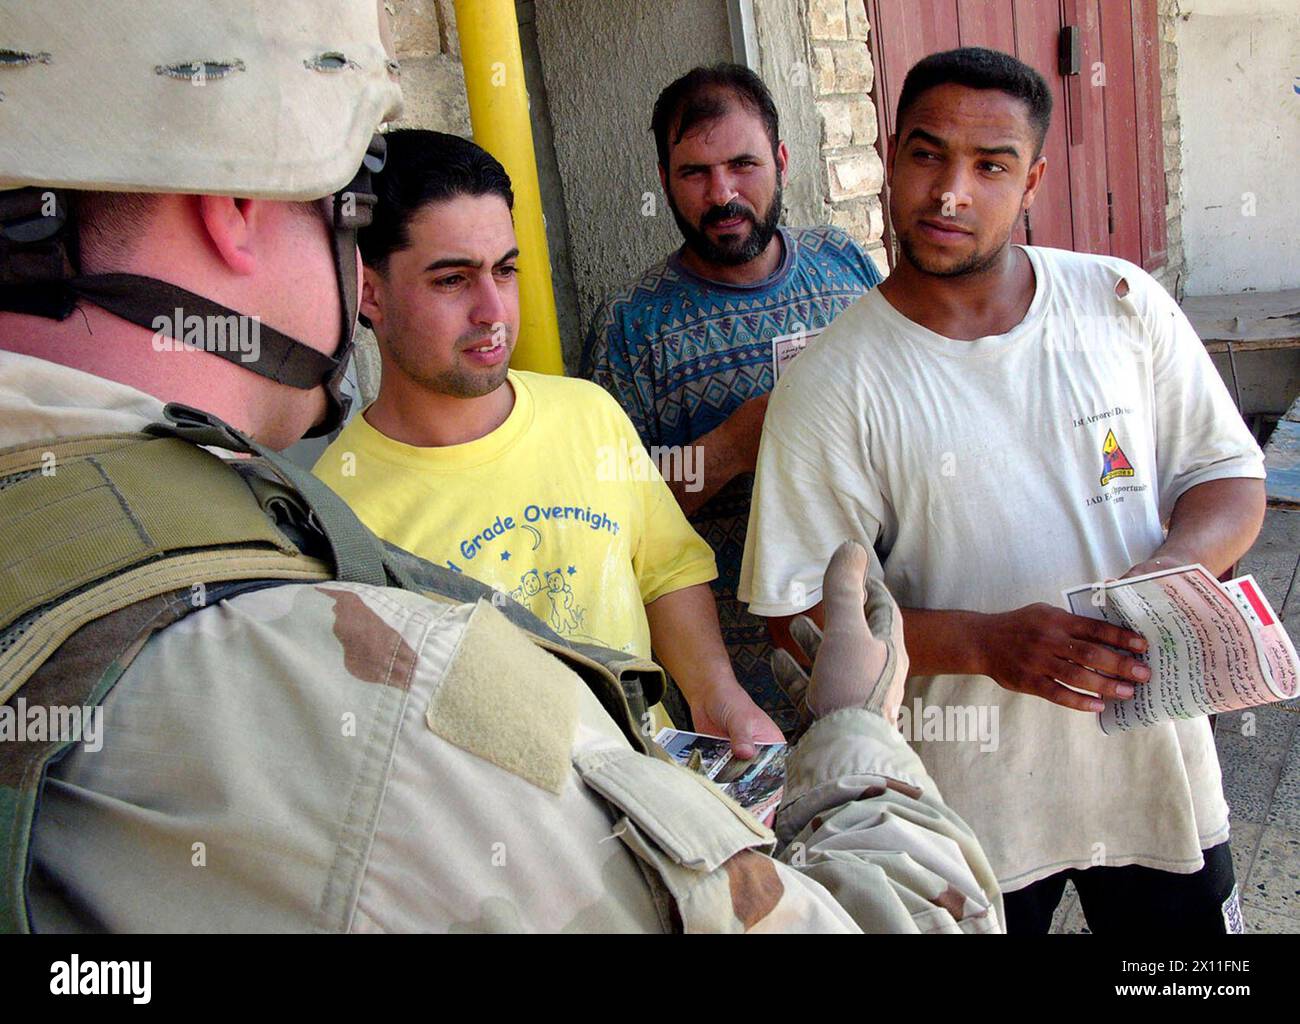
pixel 787 346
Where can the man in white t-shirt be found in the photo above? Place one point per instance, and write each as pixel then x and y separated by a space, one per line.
pixel 1000 422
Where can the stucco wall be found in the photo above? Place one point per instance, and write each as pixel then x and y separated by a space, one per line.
pixel 604 64
pixel 568 317
pixel 1240 138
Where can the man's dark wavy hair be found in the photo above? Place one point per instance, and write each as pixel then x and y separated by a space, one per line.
pixel 705 94
pixel 425 167
pixel 978 68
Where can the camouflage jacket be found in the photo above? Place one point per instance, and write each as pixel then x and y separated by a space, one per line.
pixel 342 757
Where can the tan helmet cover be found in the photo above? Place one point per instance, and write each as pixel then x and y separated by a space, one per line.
pixel 254 98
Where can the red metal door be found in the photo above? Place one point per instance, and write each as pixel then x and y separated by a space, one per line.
pixel 1153 193
pixel 1083 119
pixel 1121 131
pixel 1052 218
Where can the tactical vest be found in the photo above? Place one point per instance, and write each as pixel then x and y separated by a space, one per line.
pixel 108 539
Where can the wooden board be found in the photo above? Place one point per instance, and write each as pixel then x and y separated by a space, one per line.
pixel 1252 320
pixel 1265 345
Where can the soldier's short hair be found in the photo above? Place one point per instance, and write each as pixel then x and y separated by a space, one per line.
pixel 109 225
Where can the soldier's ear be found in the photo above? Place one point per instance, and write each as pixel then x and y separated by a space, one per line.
pixel 230 225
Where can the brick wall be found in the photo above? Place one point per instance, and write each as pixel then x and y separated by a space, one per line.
pixel 1171 273
pixel 433 81
pixel 842 75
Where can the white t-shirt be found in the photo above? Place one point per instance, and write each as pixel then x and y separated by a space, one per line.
pixel 991 474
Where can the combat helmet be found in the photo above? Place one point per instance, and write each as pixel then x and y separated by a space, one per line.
pixel 271 99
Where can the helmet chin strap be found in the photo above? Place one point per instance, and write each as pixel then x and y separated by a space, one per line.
pixel 150 303
pixel 141 300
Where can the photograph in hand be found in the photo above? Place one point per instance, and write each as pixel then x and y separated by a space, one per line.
pixel 756 783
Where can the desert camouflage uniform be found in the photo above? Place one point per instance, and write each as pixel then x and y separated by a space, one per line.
pixel 341 757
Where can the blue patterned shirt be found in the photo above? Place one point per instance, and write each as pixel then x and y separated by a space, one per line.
pixel 681 353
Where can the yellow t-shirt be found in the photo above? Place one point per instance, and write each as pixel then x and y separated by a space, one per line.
pixel 559 507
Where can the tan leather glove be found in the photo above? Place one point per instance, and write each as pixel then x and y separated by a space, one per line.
pixel 859 661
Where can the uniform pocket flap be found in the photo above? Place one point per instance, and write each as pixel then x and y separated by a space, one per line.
pixel 687 817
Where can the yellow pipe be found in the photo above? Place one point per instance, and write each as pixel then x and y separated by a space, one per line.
pixel 498 110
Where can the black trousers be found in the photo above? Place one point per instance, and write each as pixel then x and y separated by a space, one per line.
pixel 1135 899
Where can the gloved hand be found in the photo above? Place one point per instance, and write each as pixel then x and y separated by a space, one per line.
pixel 859 661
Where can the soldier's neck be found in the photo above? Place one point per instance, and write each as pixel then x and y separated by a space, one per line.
pixel 98 343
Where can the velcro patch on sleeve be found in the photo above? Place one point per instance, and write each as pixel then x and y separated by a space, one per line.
pixel 686 816
pixel 507 701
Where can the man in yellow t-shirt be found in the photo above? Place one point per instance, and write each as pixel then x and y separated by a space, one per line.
pixel 537 485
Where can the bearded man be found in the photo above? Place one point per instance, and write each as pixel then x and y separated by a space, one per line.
pixel 692 348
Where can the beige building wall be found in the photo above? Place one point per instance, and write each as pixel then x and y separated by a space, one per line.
pixel 1237 139
pixel 1240 143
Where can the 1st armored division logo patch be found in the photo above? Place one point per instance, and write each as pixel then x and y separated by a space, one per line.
pixel 1114 461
